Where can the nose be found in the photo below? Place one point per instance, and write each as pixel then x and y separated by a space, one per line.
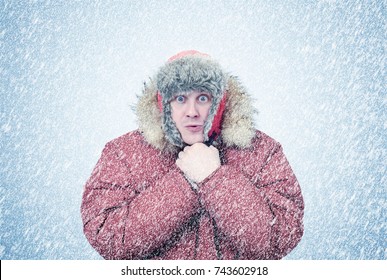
pixel 191 109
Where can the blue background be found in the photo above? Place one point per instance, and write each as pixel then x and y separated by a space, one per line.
pixel 70 72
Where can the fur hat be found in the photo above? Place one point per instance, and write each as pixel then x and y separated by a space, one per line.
pixel 185 72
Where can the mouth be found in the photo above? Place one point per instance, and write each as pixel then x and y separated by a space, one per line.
pixel 194 128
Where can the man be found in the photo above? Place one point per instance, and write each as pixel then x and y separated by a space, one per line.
pixel 196 180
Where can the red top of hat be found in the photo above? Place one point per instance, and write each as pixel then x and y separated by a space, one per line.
pixel 186 53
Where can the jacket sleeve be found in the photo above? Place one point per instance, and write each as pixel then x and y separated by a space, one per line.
pixel 259 215
pixel 125 219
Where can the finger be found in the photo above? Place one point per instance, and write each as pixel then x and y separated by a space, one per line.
pixel 186 148
pixel 181 154
pixel 213 148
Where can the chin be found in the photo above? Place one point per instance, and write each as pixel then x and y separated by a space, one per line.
pixel 193 141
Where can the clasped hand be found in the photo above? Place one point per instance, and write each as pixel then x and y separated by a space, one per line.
pixel 198 161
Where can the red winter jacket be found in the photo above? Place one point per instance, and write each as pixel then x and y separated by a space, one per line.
pixel 138 204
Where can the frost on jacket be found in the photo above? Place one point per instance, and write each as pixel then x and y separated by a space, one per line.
pixel 138 205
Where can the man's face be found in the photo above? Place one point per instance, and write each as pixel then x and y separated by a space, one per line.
pixel 189 112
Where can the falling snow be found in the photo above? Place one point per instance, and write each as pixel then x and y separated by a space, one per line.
pixel 70 73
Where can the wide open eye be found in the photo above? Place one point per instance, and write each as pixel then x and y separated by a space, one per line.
pixel 180 99
pixel 203 98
